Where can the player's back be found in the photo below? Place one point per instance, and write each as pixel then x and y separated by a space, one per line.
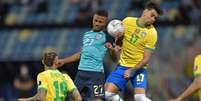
pixel 55 84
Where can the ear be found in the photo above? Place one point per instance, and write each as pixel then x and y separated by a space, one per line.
pixel 56 60
pixel 43 62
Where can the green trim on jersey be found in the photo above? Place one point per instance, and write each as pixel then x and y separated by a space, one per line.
pixel 137 23
pixel 150 49
pixel 41 87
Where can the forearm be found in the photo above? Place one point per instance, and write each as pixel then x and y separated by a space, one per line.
pixel 194 87
pixel 114 54
pixel 142 63
pixel 75 95
pixel 73 58
pixel 34 98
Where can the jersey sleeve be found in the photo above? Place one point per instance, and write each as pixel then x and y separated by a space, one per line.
pixel 151 40
pixel 42 81
pixel 197 66
pixel 70 83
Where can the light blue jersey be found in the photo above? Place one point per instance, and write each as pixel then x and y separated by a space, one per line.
pixel 93 51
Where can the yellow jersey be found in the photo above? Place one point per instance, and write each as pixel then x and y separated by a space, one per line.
pixel 197 70
pixel 56 84
pixel 136 40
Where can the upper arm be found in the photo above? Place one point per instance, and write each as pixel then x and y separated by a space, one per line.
pixel 70 83
pixel 147 54
pixel 72 90
pixel 197 81
pixel 41 94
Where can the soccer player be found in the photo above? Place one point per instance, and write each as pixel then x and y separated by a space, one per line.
pixel 195 85
pixel 138 44
pixel 52 84
pixel 90 77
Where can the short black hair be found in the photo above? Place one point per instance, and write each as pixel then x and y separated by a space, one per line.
pixel 102 13
pixel 155 6
pixel 49 56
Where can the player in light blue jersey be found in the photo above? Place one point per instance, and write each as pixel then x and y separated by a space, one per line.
pixel 90 77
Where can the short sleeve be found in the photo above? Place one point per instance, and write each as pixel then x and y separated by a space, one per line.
pixel 41 81
pixel 151 40
pixel 197 66
pixel 70 83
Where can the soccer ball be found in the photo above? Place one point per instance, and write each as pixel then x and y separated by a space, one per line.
pixel 115 28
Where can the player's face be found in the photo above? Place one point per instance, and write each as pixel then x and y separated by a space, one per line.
pixel 150 16
pixel 99 22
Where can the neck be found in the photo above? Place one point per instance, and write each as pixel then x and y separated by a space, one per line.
pixel 49 67
pixel 141 22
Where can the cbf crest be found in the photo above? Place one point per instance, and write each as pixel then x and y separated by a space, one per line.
pixel 143 34
pixel 98 36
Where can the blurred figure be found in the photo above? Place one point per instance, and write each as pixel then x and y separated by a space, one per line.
pixel 195 85
pixel 90 78
pixel 23 82
pixel 138 45
pixel 52 84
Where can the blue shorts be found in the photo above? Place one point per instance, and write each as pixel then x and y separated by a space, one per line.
pixel 138 79
pixel 90 84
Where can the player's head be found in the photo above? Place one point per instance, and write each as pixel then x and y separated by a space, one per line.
pixel 100 20
pixel 151 12
pixel 50 58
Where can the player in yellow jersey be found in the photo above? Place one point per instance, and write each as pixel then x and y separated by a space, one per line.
pixel 138 44
pixel 52 84
pixel 196 84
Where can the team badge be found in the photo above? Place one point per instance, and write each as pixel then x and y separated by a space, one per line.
pixel 136 31
pixel 98 36
pixel 143 34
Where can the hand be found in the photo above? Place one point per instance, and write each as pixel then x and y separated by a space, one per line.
pixel 108 45
pixel 59 63
pixel 128 73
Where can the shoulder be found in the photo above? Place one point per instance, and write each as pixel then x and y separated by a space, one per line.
pixel 129 20
pixel 152 31
pixel 66 75
pixel 43 74
pixel 88 32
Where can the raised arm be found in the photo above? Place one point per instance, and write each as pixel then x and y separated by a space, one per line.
pixel 72 58
pixel 114 51
pixel 69 59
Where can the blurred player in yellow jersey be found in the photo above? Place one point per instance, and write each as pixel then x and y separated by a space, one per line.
pixel 52 84
pixel 138 44
pixel 196 84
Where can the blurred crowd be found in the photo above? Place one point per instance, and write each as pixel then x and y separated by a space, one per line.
pixel 170 70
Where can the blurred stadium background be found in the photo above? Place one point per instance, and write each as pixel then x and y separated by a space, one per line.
pixel 29 26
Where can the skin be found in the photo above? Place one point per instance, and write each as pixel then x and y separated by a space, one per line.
pixel 99 23
pixel 147 18
pixel 41 93
pixel 193 87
